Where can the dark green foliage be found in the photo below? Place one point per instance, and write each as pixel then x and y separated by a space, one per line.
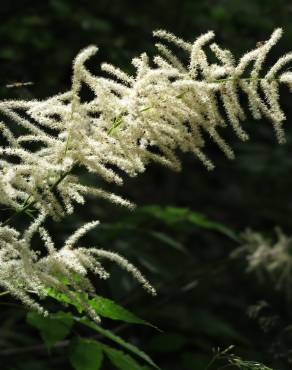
pixel 118 340
pixel 85 354
pixel 53 328
pixel 88 352
pixel 121 360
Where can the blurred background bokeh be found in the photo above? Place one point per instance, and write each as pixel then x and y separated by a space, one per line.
pixel 204 297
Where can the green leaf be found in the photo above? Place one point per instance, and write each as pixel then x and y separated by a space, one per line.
pixel 85 354
pixel 102 306
pixel 108 334
pixel 61 297
pixel 169 215
pixel 121 360
pixel 111 310
pixel 172 215
pixel 53 328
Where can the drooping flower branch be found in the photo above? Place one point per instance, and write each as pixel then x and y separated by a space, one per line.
pixel 26 273
pixel 166 106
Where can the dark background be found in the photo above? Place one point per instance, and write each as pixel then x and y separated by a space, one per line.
pixel 203 296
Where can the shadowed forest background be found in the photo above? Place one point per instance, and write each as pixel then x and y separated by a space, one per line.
pixel 182 233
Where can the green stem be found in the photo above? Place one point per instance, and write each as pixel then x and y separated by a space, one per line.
pixel 116 123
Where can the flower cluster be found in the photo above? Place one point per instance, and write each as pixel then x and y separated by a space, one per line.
pixel 267 257
pixel 26 273
pixel 165 106
pixel 131 120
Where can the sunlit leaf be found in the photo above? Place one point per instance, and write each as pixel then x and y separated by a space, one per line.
pixel 103 306
pixel 108 308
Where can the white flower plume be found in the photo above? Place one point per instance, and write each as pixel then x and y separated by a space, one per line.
pixel 131 120
pixel 167 105
pixel 27 274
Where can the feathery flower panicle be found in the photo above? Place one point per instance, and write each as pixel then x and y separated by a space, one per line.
pixel 167 105
pixel 27 275
pixel 132 120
